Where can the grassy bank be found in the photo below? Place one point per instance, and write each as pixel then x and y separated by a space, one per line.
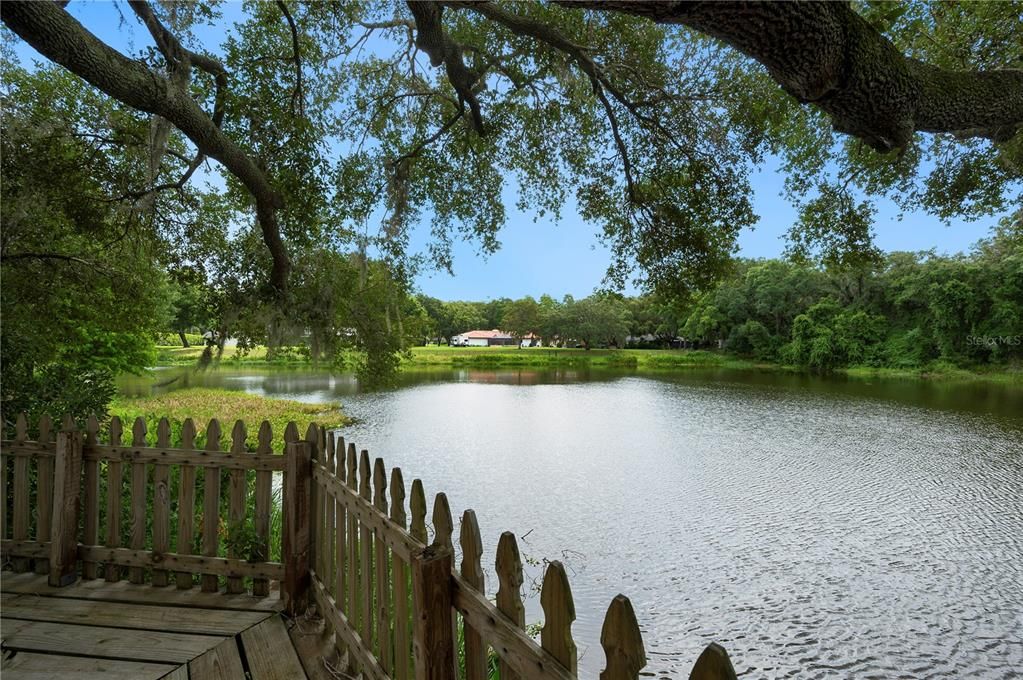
pixel 203 404
pixel 627 359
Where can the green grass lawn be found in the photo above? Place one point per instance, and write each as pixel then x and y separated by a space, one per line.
pixel 203 404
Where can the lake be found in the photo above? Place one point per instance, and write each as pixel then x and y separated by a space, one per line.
pixel 817 528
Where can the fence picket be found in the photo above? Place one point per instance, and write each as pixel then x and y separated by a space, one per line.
pixel 90 519
pixel 472 572
pixel 327 550
pixel 186 504
pixel 44 492
pixel 622 642
pixel 115 488
pixel 443 525
pixel 340 530
pixel 3 483
pixel 237 486
pixel 713 664
pixel 161 504
pixel 261 522
pixel 290 435
pixel 383 591
pixel 354 577
pixel 399 571
pixel 417 504
pixel 211 507
pixel 312 437
pixel 509 594
pixel 558 615
pixel 366 554
pixel 138 500
pixel 21 516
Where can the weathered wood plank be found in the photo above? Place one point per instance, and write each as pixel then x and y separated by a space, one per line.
pixel 353 611
pixel 433 641
pixel 32 666
pixel 122 591
pixel 218 459
pixel 115 487
pixel 297 489
pixel 90 517
pixel 161 504
pixel 179 673
pixel 509 595
pixel 417 505
pixel 136 616
pixel 223 662
pixel 44 491
pixel 112 643
pixel 366 552
pixel 269 651
pixel 139 502
pixel 382 570
pixel 194 564
pixel 357 647
pixel 63 560
pixel 472 574
pixel 20 491
pixel 186 505
pixel 558 615
pixel 400 576
pixel 261 520
pixel 327 550
pixel 236 506
pixel 312 437
pixel 211 506
pixel 622 642
pixel 340 532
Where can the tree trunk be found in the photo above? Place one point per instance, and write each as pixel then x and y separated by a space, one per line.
pixel 184 340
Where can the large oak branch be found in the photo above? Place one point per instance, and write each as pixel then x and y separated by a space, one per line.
pixel 59 37
pixel 826 54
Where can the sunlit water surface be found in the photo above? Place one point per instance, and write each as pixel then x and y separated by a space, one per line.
pixel 815 528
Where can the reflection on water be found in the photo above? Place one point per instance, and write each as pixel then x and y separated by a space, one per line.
pixel 815 528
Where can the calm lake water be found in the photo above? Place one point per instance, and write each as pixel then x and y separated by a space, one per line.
pixel 815 528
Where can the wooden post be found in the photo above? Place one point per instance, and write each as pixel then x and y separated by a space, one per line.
pixel 186 505
pixel 264 496
pixel 210 583
pixel 22 515
pixel 161 505
pixel 44 492
pixel 115 486
pixel 297 491
pixel 433 642
pixel 237 488
pixel 139 500
pixel 90 523
pixel 67 490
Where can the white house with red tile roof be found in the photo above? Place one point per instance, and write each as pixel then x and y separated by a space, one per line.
pixel 480 338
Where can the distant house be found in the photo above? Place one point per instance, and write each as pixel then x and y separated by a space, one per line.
pixel 482 339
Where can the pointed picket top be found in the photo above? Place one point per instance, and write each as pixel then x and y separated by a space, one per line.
pixel 353 467
pixel 558 613
pixel 213 435
pixel 67 423
pixel 417 505
pixel 163 433
pixel 509 576
pixel 329 458
pixel 21 428
pixel 45 428
pixel 342 461
pixel 364 475
pixel 116 431
pixel 290 433
pixel 472 550
pixel 238 436
pixel 312 437
pixel 188 434
pixel 398 498
pixel 622 642
pixel 138 432
pixel 713 664
pixel 443 525
pixel 92 430
pixel 380 485
pixel 264 439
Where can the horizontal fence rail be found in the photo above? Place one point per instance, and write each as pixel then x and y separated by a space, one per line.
pixel 399 605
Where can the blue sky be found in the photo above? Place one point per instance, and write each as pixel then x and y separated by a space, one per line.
pixel 542 256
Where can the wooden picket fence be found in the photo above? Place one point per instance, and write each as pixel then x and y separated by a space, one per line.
pixel 395 600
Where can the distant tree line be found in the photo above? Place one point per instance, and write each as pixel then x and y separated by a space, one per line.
pixel 901 310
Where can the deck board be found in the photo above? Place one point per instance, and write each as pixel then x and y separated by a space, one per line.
pixel 223 662
pixel 32 666
pixel 127 615
pixel 103 642
pixel 270 653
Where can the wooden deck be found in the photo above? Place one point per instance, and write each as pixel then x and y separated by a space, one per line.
pixel 96 629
